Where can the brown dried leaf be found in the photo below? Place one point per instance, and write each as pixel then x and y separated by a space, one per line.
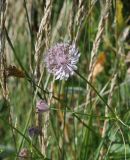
pixel 14 72
pixel 99 65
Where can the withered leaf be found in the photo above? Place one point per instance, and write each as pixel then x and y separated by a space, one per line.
pixel 99 66
pixel 14 72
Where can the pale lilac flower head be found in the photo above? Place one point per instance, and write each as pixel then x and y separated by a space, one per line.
pixel 33 131
pixel 24 154
pixel 61 60
pixel 42 106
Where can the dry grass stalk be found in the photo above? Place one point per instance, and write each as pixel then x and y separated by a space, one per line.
pixel 40 42
pixel 2 48
pixel 110 96
pixel 2 22
pixel 101 26
pixel 79 12
pixel 72 21
pixel 59 23
pixel 109 102
pixel 60 29
pixel 81 16
pixel 3 63
pixel 43 35
pixel 48 24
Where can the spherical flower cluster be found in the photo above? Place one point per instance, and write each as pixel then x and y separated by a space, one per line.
pixel 42 106
pixel 33 131
pixel 24 154
pixel 61 60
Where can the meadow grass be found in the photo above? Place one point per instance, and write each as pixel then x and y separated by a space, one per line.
pixel 86 116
